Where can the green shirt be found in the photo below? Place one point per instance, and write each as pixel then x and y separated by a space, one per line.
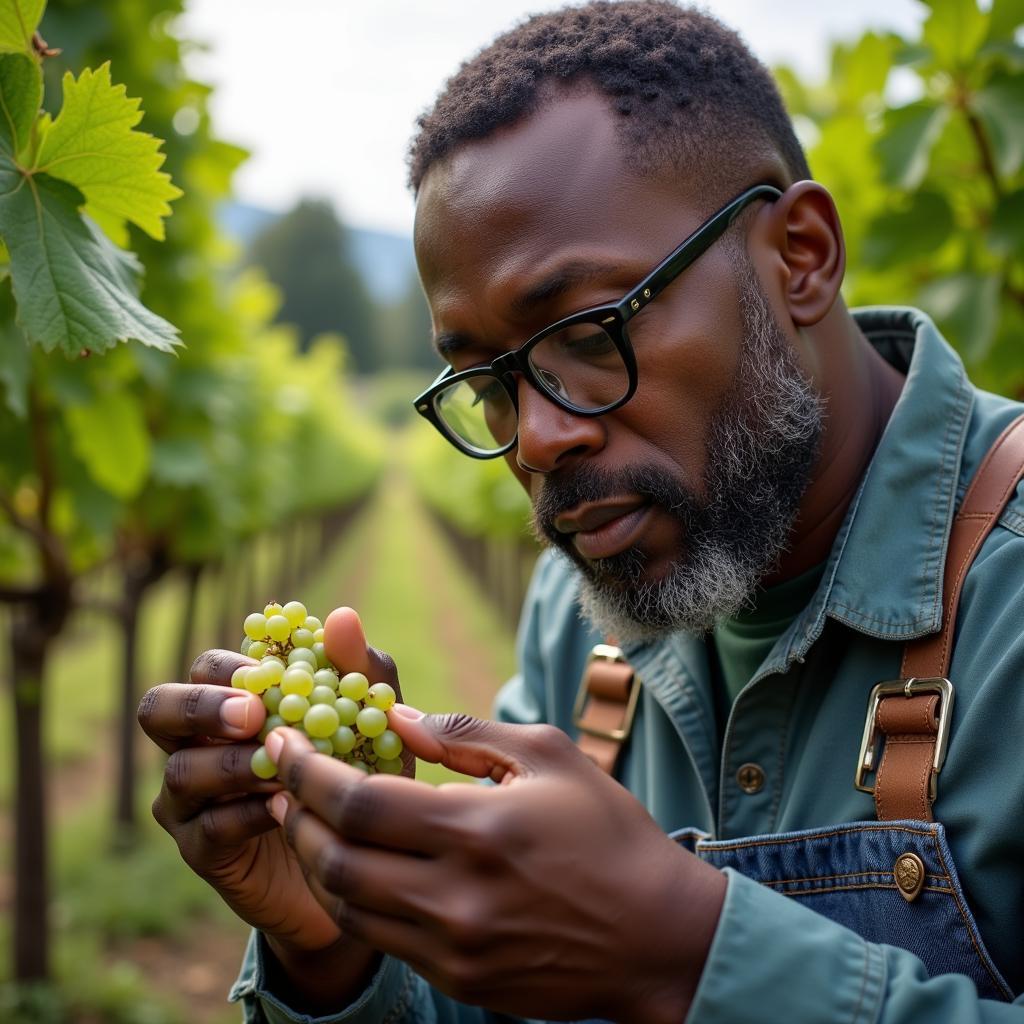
pixel 800 718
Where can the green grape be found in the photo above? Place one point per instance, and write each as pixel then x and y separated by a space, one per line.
pixel 243 647
pixel 258 680
pixel 293 707
pixel 362 766
pixel 303 654
pixel 272 609
pixel 321 655
pixel 354 685
pixel 272 699
pixel 388 745
pixel 258 649
pixel 255 626
pixel 295 613
pixel 278 628
pixel 274 668
pixel 343 740
pixel 318 635
pixel 312 623
pixel 238 676
pixel 273 722
pixel 321 720
pixel 297 680
pixel 347 710
pixel 323 746
pixel 371 722
pixel 380 695
pixel 302 638
pixel 322 695
pixel 325 677
pixel 262 766
pixel 389 766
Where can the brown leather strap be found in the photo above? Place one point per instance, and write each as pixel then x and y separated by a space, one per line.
pixel 604 707
pixel 904 787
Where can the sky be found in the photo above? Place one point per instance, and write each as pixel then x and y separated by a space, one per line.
pixel 325 93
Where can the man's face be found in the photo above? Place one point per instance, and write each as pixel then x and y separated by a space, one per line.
pixel 675 505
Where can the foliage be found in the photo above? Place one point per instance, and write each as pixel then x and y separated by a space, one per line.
pixel 931 191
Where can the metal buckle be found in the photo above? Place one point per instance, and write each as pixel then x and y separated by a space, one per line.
pixel 866 761
pixel 606 652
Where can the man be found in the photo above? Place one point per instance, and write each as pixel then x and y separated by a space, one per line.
pixel 751 490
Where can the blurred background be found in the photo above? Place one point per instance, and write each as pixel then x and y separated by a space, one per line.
pixel 148 502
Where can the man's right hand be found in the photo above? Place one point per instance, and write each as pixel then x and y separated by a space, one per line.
pixel 215 809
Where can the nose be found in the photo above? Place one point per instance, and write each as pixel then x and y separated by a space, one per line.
pixel 550 437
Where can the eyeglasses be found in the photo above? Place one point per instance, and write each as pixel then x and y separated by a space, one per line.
pixel 584 363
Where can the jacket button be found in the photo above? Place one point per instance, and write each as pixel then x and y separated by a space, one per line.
pixel 750 777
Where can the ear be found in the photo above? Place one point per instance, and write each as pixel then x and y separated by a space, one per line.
pixel 803 231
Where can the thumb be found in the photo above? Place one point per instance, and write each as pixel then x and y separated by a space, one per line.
pixel 345 644
pixel 477 746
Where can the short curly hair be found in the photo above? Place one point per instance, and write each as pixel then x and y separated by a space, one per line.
pixel 690 93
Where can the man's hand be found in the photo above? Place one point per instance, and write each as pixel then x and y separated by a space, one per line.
pixel 215 808
pixel 552 894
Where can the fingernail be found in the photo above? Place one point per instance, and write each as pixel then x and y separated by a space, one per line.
pixel 234 712
pixel 405 711
pixel 277 805
pixel 274 742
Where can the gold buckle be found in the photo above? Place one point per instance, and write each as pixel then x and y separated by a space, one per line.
pixel 867 761
pixel 606 652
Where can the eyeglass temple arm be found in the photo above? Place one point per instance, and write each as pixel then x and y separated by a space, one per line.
pixel 693 247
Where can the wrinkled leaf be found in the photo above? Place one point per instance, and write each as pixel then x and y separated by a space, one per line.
pixel 18 22
pixel 93 145
pixel 907 140
pixel 954 30
pixel 109 435
pixel 907 234
pixel 1000 105
pixel 21 92
pixel 966 308
pixel 75 290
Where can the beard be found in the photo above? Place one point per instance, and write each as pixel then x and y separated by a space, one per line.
pixel 762 444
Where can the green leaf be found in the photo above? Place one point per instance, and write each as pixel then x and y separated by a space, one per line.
pixel 14 369
pixel 908 234
pixel 954 31
pixel 1006 235
pixel 109 435
pixel 181 461
pixel 906 142
pixel 966 307
pixel 21 92
pixel 18 22
pixel 74 289
pixel 1005 19
pixel 1000 105
pixel 93 145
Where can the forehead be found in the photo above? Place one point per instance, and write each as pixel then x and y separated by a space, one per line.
pixel 556 185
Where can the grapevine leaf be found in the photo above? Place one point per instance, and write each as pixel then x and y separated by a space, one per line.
pixel 21 92
pixel 1006 235
pixel 1000 105
pixel 954 31
pixel 18 22
pixel 906 143
pixel 967 308
pixel 1005 19
pixel 74 289
pixel 917 231
pixel 109 435
pixel 14 369
pixel 93 145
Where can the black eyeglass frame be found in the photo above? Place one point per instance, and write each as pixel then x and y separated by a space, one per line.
pixel 611 318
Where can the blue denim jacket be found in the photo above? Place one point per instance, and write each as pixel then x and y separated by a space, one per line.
pixel 779 952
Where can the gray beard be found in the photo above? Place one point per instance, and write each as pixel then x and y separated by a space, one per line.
pixel 762 445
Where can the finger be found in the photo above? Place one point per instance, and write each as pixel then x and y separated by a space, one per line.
pixel 196 776
pixel 235 822
pixel 477 746
pixel 175 715
pixel 383 810
pixel 346 646
pixel 383 881
pixel 216 667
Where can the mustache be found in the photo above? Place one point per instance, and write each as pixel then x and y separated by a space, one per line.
pixel 586 484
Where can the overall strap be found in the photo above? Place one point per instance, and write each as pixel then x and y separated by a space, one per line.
pixel 913 713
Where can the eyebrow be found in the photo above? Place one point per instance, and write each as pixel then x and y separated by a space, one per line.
pixel 544 291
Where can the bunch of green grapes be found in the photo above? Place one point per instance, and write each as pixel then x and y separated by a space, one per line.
pixel 342 714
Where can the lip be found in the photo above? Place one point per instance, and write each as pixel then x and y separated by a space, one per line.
pixel 600 531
